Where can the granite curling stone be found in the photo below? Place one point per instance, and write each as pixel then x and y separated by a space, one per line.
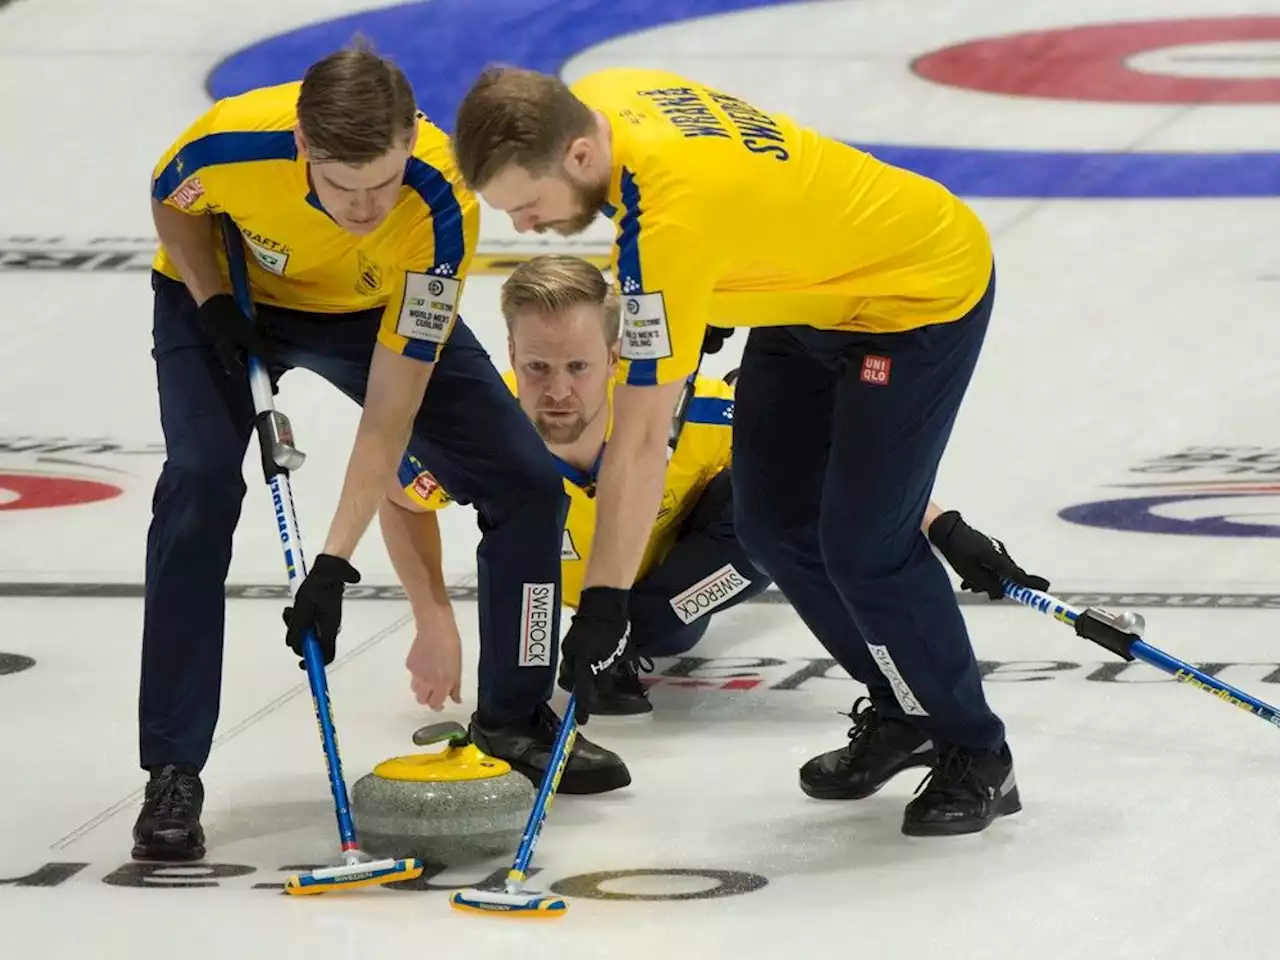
pixel 451 808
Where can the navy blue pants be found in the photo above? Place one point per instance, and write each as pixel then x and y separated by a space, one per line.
pixel 834 461
pixel 470 433
pixel 706 571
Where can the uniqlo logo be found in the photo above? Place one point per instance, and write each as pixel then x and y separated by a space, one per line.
pixel 876 370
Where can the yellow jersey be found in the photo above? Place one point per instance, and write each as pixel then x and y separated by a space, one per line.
pixel 730 215
pixel 241 158
pixel 702 450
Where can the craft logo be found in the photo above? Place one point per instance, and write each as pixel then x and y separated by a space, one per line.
pixel 1202 491
pixel 42 472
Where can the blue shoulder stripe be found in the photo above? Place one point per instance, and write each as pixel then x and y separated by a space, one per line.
pixel 715 411
pixel 215 149
pixel 630 280
pixel 446 214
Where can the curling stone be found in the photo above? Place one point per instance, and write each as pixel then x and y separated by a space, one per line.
pixel 451 808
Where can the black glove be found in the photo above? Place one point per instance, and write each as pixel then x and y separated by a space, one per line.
pixel 982 561
pixel 714 338
pixel 232 334
pixel 318 606
pixel 599 637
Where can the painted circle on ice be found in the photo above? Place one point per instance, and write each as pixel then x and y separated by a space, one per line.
pixel 442 47
pixel 1209 512
pixel 35 491
pixel 1223 60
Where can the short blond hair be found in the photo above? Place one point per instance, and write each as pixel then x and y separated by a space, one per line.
pixel 552 283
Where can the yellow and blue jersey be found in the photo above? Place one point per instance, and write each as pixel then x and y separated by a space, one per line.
pixel 730 215
pixel 703 449
pixel 241 158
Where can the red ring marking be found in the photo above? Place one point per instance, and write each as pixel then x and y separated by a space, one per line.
pixel 36 491
pixel 1087 63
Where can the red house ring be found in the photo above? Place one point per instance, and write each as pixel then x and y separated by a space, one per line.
pixel 1088 63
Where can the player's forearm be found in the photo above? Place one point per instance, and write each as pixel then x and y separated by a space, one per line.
pixel 191 242
pixel 395 388
pixel 628 496
pixel 417 554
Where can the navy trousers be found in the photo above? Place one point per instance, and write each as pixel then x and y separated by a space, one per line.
pixel 470 433
pixel 706 571
pixel 836 445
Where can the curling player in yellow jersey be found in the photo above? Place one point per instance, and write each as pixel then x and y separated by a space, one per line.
pixel 563 325
pixel 867 290
pixel 361 234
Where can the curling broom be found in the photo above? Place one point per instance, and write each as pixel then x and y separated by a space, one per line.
pixel 1121 633
pixel 513 900
pixel 279 457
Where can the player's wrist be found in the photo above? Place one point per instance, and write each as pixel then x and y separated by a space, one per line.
pixel 604 603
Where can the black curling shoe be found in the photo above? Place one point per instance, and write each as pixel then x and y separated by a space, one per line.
pixel 965 792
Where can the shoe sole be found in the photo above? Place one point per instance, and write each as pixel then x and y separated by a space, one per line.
pixel 835 792
pixel 1009 805
pixel 148 854
pixel 578 783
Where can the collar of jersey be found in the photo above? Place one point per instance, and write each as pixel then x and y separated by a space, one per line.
pixel 312 198
pixel 586 479
pixel 617 148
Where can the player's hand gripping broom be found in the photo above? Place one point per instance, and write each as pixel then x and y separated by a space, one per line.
pixel 1121 633
pixel 279 457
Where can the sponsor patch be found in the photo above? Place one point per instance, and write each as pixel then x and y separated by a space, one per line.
pixel 273 261
pixel 187 194
pixel 535 624
pixel 645 334
pixel 906 696
pixel 428 308
pixel 708 594
pixel 567 549
pixel 424 485
pixel 876 370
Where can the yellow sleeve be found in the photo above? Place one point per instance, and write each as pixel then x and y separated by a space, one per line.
pixel 709 424
pixel 179 179
pixel 427 287
pixel 665 271
pixel 420 486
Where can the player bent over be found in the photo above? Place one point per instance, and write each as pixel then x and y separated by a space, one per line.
pixel 361 234
pixel 868 290
pixel 563 324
